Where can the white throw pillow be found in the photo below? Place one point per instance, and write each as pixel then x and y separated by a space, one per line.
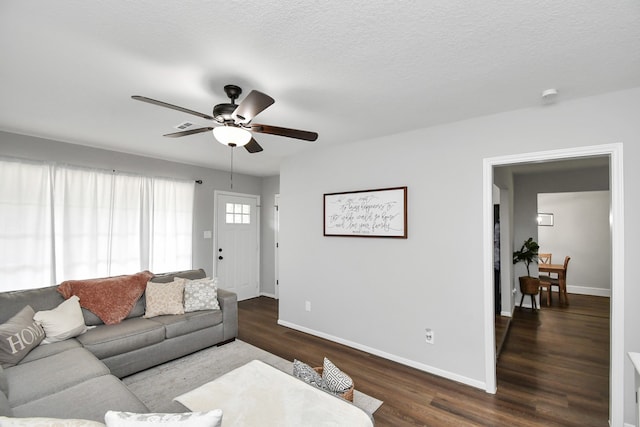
pixel 188 419
pixel 164 298
pixel 63 322
pixel 46 422
pixel 336 380
pixel 201 294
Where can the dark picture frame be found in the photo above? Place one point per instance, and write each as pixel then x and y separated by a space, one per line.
pixel 367 213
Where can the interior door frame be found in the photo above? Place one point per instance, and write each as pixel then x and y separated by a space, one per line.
pixel 216 195
pixel 617 360
pixel 276 248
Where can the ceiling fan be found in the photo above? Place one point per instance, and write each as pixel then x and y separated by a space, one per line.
pixel 234 120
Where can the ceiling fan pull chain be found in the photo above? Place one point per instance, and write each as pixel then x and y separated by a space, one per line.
pixel 232 168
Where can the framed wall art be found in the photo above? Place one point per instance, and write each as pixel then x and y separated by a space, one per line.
pixel 368 213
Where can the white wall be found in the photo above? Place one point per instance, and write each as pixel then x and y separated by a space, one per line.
pixel 581 231
pixel 380 294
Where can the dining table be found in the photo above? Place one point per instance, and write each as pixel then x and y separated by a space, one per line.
pixel 560 270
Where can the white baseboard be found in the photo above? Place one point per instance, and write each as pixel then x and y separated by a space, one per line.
pixel 421 366
pixel 506 313
pixel 265 294
pixel 585 290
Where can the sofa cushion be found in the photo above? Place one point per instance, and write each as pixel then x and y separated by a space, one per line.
pixel 186 274
pixel 39 299
pixel 110 298
pixel 89 400
pixel 4 385
pixel 164 298
pixel 18 336
pixel 63 322
pixel 91 319
pixel 43 351
pixel 183 324
pixel 61 371
pixel 5 408
pixel 107 340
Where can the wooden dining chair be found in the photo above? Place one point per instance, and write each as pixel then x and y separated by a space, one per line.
pixel 547 283
pixel 544 258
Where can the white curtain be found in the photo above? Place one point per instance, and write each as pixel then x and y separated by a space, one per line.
pixel 103 224
pixel 26 255
pixel 171 226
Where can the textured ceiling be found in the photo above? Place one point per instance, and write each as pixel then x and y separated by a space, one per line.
pixel 348 70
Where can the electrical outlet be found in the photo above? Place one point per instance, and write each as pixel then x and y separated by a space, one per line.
pixel 429 335
pixel 307 305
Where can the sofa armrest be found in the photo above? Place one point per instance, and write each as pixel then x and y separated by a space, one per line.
pixel 229 305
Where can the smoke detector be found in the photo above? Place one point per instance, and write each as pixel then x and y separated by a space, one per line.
pixel 549 96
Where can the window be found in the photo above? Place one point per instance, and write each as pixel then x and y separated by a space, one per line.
pixel 238 213
pixel 60 222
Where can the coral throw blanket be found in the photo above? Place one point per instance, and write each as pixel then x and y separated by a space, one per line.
pixel 109 298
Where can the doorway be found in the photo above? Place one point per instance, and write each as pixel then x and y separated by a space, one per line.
pixel 237 244
pixel 614 153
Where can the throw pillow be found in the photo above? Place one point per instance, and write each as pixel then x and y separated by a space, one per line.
pixel 46 422
pixel 307 374
pixel 64 321
pixel 337 381
pixel 186 419
pixel 165 298
pixel 109 298
pixel 201 294
pixel 18 336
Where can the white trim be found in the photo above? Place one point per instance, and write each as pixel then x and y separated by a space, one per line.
pixel 268 295
pixel 218 193
pixel 586 290
pixel 276 232
pixel 615 153
pixel 399 359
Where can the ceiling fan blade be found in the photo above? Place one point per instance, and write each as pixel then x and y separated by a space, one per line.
pixel 187 132
pixel 253 146
pixel 173 107
pixel 252 105
pixel 291 133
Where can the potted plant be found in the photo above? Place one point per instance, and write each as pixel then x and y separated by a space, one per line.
pixel 527 254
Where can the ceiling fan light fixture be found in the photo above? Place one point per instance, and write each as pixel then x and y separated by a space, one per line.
pixel 232 136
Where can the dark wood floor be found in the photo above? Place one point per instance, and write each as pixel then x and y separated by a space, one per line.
pixel 553 370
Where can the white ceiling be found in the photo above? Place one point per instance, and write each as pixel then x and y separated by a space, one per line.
pixel 347 70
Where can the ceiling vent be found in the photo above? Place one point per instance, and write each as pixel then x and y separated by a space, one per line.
pixel 184 125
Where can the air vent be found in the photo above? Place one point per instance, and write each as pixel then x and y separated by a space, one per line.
pixel 184 125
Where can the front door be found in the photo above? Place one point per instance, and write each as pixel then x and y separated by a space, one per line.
pixel 236 250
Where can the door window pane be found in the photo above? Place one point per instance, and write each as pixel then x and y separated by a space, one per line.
pixel 238 213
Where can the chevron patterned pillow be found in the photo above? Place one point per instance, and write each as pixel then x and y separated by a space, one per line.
pixel 336 380
pixel 307 374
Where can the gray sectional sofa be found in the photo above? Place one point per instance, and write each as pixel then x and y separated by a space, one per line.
pixel 79 377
